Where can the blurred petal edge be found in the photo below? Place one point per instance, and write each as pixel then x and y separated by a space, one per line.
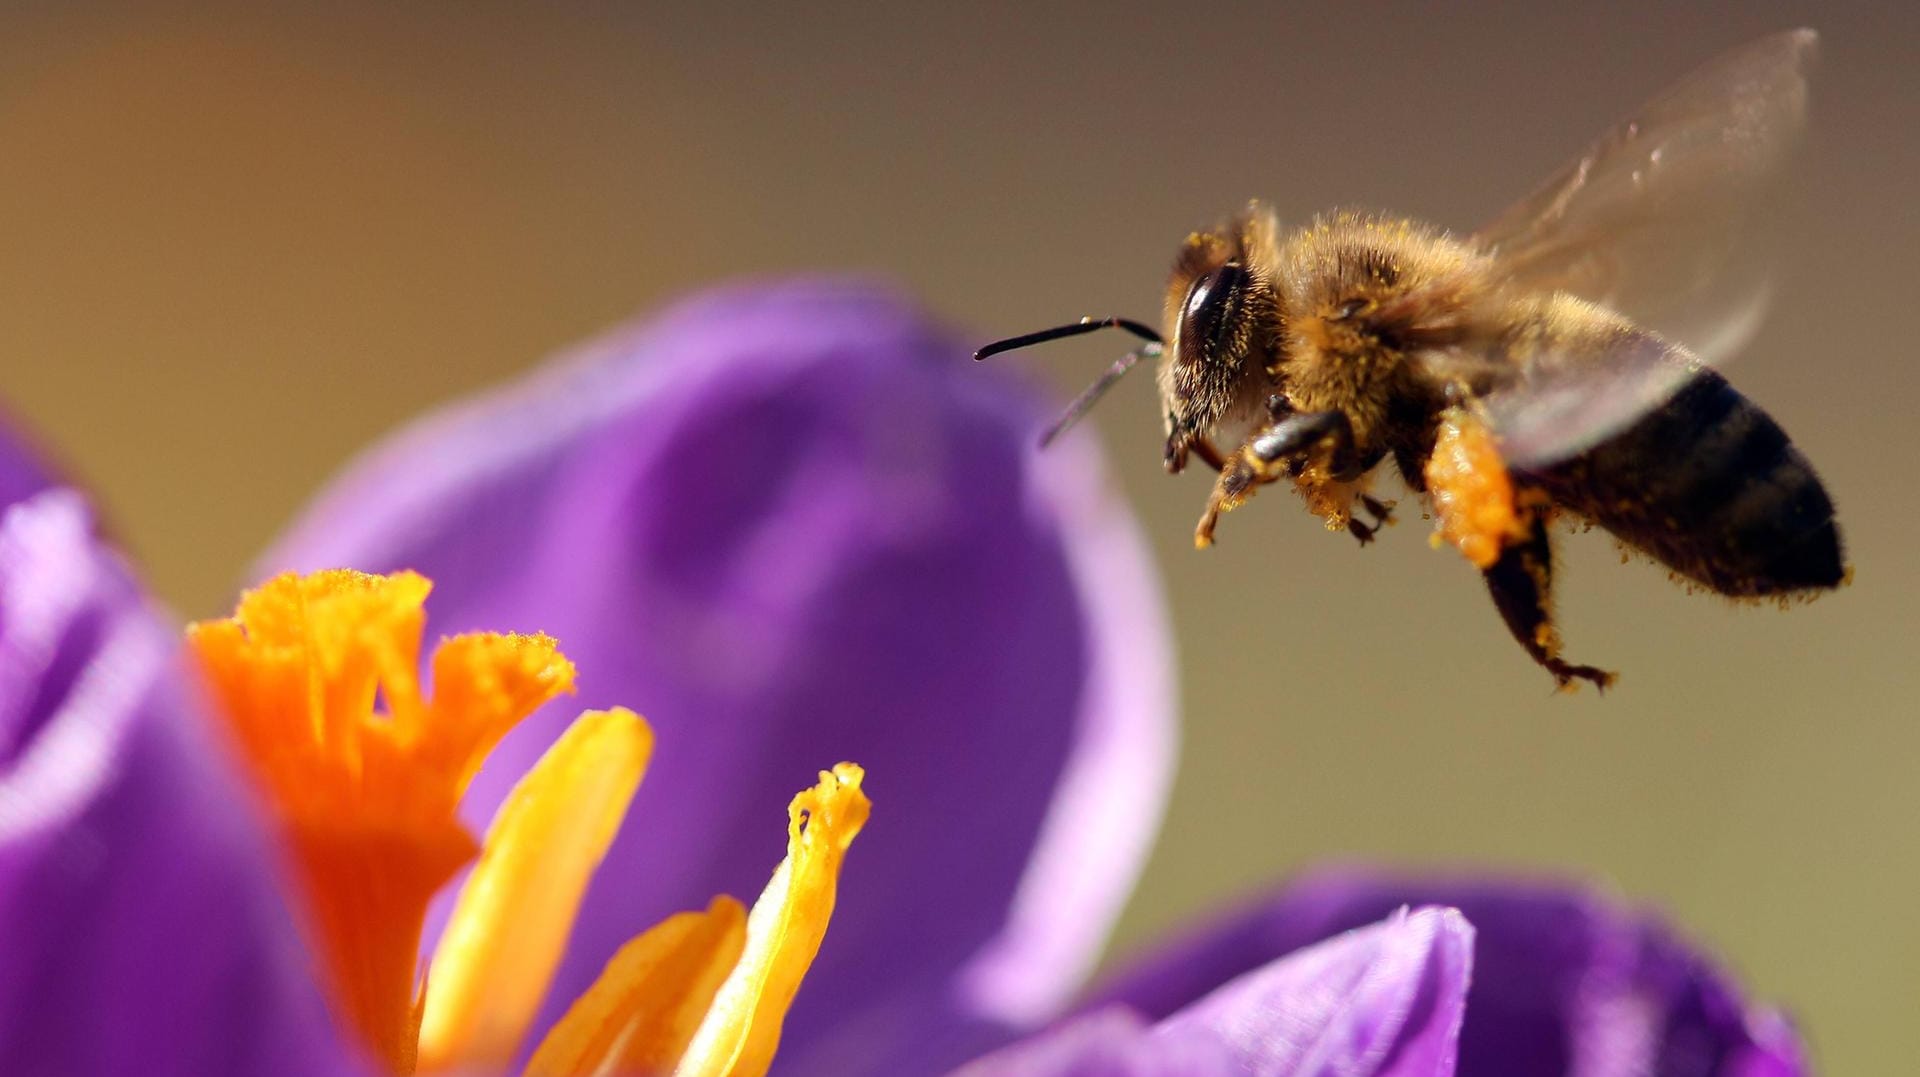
pixel 142 929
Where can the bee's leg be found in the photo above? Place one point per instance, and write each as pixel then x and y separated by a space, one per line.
pixel 1275 452
pixel 1412 470
pixel 1210 456
pixel 1381 512
pixel 1236 484
pixel 1521 583
pixel 1179 444
pixel 1303 430
pixel 1240 475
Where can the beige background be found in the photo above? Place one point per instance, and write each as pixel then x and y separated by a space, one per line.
pixel 234 247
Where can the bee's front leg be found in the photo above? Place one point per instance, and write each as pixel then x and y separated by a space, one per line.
pixel 1237 481
pixel 1180 443
pixel 1303 430
pixel 1280 450
pixel 1209 455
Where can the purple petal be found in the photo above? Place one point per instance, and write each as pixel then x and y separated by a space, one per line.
pixel 794 525
pixel 1381 1001
pixel 140 928
pixel 1386 999
pixel 1110 1043
pixel 22 474
pixel 1566 980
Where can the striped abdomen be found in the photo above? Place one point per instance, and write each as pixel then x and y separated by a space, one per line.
pixel 1710 486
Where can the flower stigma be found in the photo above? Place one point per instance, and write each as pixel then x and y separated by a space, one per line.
pixel 362 771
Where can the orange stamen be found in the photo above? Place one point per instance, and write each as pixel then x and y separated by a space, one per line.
pixel 639 1016
pixel 784 931
pixel 367 798
pixel 497 956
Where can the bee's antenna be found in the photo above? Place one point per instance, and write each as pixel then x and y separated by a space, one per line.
pixel 1084 325
pixel 1094 392
pixel 1091 393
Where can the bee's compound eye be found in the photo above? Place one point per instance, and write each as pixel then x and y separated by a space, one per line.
pixel 1212 305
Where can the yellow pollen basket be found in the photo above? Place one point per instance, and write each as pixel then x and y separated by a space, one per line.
pixel 1473 495
pixel 317 677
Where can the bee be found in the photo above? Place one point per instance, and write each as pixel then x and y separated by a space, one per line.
pixel 1556 365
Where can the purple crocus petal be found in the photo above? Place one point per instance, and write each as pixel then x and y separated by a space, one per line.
pixel 1381 1001
pixel 1113 1042
pixel 794 525
pixel 1386 999
pixel 21 472
pixel 1567 981
pixel 141 930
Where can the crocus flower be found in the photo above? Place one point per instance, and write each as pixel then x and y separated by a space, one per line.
pixel 366 802
pixel 118 819
pixel 793 520
pixel 806 526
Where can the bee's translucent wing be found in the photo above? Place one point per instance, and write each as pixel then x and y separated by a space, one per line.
pixel 1562 403
pixel 1661 218
pixel 1657 220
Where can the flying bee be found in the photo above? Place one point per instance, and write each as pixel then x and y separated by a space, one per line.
pixel 1556 364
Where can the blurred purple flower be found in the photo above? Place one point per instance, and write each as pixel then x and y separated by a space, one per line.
pixel 21 472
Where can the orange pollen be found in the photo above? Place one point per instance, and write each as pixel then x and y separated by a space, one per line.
pixel 318 679
pixel 1473 494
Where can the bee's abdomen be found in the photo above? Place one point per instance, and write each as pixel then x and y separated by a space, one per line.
pixel 1710 486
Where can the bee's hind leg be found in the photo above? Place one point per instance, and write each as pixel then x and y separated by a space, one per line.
pixel 1521 583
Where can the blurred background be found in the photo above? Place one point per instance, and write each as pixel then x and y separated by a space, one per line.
pixel 239 244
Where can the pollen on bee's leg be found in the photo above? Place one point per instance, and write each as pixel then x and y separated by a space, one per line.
pixel 1546 638
pixel 1209 520
pixel 1473 494
pixel 1203 531
pixel 1231 490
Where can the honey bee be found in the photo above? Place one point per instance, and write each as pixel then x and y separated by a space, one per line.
pixel 1557 364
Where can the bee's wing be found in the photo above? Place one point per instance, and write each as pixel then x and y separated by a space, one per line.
pixel 1657 219
pixel 1563 403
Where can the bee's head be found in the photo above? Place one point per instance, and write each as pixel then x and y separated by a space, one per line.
pixel 1222 318
pixel 1222 322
